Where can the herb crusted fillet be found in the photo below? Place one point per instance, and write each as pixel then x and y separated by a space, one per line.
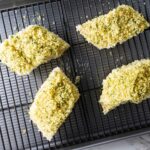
pixel 31 47
pixel 53 103
pixel 117 26
pixel 128 83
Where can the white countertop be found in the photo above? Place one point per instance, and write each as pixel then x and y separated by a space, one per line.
pixel 134 143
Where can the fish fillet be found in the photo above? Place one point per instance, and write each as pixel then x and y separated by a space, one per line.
pixel 31 47
pixel 53 103
pixel 129 83
pixel 117 26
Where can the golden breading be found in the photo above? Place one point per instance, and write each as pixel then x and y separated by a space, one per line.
pixel 53 103
pixel 129 83
pixel 31 47
pixel 117 26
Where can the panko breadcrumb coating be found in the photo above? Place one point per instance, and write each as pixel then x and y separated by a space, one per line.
pixel 53 103
pixel 117 26
pixel 129 83
pixel 31 47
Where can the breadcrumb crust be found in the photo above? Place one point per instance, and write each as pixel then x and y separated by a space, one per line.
pixel 53 103
pixel 31 47
pixel 129 83
pixel 117 26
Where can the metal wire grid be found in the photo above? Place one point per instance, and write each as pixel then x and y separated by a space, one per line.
pixel 86 122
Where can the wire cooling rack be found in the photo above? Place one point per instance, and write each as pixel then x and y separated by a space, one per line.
pixel 86 124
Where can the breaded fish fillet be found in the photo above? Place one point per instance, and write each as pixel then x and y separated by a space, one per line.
pixel 129 83
pixel 117 26
pixel 31 47
pixel 53 103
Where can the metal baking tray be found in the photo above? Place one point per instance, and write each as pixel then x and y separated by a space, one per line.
pixel 86 124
